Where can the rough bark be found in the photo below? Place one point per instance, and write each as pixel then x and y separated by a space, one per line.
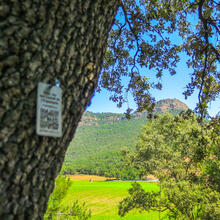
pixel 41 41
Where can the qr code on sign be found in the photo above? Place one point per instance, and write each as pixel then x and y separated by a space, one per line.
pixel 49 119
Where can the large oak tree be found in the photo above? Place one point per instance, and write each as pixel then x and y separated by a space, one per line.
pixel 66 39
pixel 41 41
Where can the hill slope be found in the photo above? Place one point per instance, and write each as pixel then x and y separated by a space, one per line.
pixel 100 138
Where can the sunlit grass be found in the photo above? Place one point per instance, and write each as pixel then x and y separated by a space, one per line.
pixel 103 199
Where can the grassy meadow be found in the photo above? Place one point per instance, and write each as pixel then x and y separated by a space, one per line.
pixel 102 197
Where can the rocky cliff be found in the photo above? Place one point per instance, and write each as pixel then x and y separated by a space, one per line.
pixel 166 105
pixel 170 104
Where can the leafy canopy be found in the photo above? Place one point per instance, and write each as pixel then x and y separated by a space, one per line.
pixel 184 156
pixel 141 39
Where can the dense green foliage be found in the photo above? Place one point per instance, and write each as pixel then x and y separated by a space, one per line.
pixel 71 211
pixel 184 156
pixel 96 149
pixel 101 137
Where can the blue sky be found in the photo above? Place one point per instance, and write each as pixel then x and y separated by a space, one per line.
pixel 173 87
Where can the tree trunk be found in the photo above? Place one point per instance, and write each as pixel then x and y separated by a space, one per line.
pixel 41 41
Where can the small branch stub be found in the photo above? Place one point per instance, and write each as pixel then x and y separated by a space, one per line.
pixel 49 110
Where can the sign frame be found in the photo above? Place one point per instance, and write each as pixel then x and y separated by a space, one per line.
pixel 49 110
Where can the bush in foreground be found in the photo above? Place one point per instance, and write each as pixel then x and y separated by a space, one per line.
pixel 56 211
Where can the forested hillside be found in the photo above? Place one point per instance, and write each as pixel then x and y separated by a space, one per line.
pixel 100 138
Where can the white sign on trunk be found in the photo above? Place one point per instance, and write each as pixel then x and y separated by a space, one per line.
pixel 49 110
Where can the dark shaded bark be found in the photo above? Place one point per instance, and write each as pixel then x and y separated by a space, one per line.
pixel 41 41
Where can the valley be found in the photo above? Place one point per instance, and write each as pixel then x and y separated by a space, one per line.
pixel 102 137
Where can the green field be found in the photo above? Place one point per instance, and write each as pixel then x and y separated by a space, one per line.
pixel 103 199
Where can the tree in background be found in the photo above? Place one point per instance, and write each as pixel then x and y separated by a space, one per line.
pixel 184 156
pixel 66 39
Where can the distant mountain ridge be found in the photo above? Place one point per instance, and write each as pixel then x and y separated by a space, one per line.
pixel 100 138
pixel 170 104
pixel 166 105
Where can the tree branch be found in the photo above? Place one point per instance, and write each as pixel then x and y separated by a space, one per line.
pixel 133 32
